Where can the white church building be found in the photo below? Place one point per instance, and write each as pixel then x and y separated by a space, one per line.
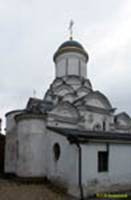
pixel 72 136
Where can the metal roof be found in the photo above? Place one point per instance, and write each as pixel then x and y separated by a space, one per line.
pixel 84 136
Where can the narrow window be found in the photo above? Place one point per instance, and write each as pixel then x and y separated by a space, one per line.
pixel 17 149
pixel 102 161
pixel 79 68
pixel 56 150
pixel 67 63
pixel 104 126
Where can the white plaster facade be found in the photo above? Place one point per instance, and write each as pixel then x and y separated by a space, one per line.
pixel 32 146
pixel 119 173
pixel 11 142
pixel 73 116
pixel 71 64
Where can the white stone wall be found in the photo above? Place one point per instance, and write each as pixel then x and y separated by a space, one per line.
pixel 73 66
pixel 58 124
pixel 65 170
pixel 119 173
pixel 71 63
pixel 35 158
pixel 10 153
pixel 92 118
pixel 61 68
pixel 32 147
pixel 122 122
pixel 11 143
pixel 83 71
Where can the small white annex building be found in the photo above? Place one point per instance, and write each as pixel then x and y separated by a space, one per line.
pixel 71 136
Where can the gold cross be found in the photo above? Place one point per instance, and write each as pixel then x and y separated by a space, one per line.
pixel 71 29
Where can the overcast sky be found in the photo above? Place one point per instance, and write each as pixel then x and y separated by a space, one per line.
pixel 32 30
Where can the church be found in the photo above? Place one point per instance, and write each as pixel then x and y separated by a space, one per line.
pixel 72 136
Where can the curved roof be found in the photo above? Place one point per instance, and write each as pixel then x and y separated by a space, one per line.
pixel 88 100
pixel 69 97
pixel 65 109
pixel 68 84
pixel 71 45
pixel 100 96
pixel 13 112
pixel 123 115
pixel 62 87
pixel 83 91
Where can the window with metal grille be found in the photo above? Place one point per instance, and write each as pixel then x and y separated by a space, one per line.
pixel 102 161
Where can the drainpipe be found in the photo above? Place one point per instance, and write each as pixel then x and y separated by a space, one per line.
pixel 80 171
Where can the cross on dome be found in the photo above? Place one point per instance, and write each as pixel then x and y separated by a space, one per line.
pixel 71 29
